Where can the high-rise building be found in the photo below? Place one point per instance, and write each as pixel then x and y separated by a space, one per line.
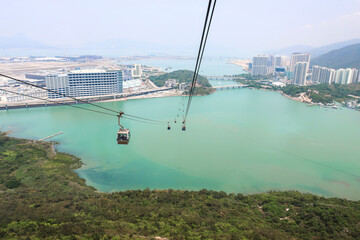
pixel 339 75
pixel 81 83
pixel 260 65
pixel 280 61
pixel 315 73
pixel 300 73
pixel 137 71
pixel 323 75
pixel 58 83
pixel 270 64
pixel 299 57
pixel 355 77
pixel 345 76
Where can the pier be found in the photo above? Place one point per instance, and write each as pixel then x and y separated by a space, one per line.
pixel 50 136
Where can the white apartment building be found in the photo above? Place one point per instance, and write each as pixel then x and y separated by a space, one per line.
pixel 137 71
pixel 260 65
pixel 300 73
pixel 345 76
pixel 299 57
pixel 323 75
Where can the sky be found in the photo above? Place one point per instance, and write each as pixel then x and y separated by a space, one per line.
pixel 239 27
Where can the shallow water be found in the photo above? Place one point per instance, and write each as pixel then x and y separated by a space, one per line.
pixel 240 140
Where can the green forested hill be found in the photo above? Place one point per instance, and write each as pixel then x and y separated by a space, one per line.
pixel 346 57
pixel 181 76
pixel 42 198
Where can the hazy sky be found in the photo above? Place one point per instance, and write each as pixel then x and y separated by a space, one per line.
pixel 238 25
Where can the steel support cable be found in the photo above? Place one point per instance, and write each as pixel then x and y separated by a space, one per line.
pixel 67 104
pixel 147 119
pixel 137 120
pixel 200 54
pixel 202 45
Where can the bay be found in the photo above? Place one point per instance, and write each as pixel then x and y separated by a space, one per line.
pixel 241 140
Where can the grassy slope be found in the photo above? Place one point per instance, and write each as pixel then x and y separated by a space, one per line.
pixel 347 57
pixel 41 197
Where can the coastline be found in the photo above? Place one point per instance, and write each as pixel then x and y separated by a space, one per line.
pixel 48 199
pixel 98 99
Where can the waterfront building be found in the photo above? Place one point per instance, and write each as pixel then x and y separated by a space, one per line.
pixel 339 75
pixel 129 81
pixel 137 71
pixel 260 65
pixel 323 74
pixel 300 73
pixel 345 76
pixel 82 83
pixel 315 73
pixel 30 92
pixel 355 77
pixel 299 57
pixel 58 83
pixel 133 84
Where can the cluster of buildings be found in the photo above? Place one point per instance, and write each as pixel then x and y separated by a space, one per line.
pixel 296 70
pixel 75 83
pixel 93 82
pixel 329 75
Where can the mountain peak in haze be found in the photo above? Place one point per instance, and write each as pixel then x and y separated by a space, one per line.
pixel 21 42
pixel 346 57
pixel 315 51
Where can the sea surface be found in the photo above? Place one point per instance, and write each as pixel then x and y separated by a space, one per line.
pixel 209 66
pixel 238 140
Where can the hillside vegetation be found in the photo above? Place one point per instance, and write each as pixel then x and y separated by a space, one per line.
pixel 41 197
pixel 181 76
pixel 203 86
pixel 324 93
pixel 346 57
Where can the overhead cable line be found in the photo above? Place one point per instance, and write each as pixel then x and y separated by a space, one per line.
pixel 61 94
pixel 142 121
pixel 57 102
pixel 76 99
pixel 203 41
pixel 147 119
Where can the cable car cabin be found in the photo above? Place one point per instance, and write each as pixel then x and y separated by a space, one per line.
pixel 123 136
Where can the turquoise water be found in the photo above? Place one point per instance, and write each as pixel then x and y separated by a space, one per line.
pixel 240 140
pixel 209 66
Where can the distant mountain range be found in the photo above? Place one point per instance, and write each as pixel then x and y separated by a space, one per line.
pixel 328 48
pixel 315 51
pixel 21 42
pixel 336 55
pixel 346 57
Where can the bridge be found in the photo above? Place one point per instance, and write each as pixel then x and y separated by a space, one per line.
pixel 221 78
pixel 230 87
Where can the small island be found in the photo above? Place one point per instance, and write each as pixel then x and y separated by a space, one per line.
pixel 183 79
